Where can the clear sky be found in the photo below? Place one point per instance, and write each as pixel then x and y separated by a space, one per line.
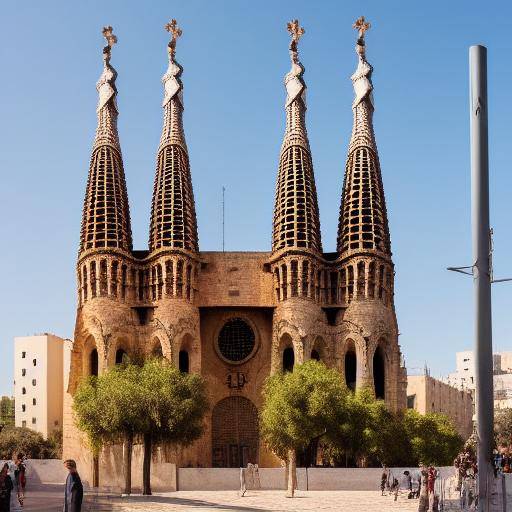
pixel 235 54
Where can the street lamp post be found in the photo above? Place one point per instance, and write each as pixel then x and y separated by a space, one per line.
pixel 481 270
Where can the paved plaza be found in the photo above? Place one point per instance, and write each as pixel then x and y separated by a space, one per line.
pixel 49 499
pixel 256 501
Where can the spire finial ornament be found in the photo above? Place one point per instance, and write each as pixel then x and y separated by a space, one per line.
pixel 111 38
pixel 296 32
pixel 175 31
pixel 361 25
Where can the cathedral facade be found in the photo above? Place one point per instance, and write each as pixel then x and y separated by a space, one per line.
pixel 236 317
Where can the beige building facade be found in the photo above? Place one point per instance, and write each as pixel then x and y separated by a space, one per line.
pixel 426 394
pixel 39 371
pixel 236 317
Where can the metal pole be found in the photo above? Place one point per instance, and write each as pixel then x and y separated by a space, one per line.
pixel 223 218
pixel 481 271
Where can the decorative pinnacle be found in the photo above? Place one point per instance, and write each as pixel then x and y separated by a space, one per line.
pixel 361 26
pixel 108 34
pixel 296 32
pixel 175 31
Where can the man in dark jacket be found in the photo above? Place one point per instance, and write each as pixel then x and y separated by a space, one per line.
pixel 74 491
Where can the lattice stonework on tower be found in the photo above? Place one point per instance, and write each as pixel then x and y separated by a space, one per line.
pixel 296 218
pixel 173 215
pixel 363 223
pixel 106 215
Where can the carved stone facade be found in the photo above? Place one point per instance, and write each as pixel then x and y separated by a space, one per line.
pixel 236 317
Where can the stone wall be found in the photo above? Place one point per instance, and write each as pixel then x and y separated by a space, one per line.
pixel 432 395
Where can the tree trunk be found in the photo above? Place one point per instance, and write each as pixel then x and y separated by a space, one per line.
pixel 292 473
pixel 146 465
pixel 95 469
pixel 127 462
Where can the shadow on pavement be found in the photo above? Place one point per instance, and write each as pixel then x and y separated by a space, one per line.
pixel 99 503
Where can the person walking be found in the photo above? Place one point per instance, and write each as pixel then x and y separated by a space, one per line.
pixel 6 486
pixel 74 491
pixel 20 477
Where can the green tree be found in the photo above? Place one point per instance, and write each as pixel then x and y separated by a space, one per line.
pixel 109 409
pixel 433 438
pixel 26 441
pixel 301 406
pixel 503 427
pixel 6 412
pixel 89 406
pixel 174 406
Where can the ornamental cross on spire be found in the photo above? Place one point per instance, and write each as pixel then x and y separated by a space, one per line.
pixel 108 34
pixel 175 31
pixel 361 26
pixel 296 32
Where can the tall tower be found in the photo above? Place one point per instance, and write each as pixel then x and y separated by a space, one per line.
pixel 173 260
pixel 296 259
pixel 365 266
pixel 106 214
pixel 106 240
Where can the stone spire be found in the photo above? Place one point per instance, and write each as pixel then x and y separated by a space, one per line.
pixel 173 214
pixel 296 219
pixel 106 214
pixel 363 222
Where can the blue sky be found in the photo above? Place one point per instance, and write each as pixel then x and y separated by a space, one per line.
pixel 235 55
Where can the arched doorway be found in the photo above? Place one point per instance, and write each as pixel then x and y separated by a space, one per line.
pixel 121 356
pixel 93 362
pixel 379 377
pixel 351 369
pixel 235 433
pixel 288 359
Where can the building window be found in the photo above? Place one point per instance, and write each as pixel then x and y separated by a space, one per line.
pixel 236 340
pixel 33 382
pixel 288 359
pixel 93 362
pixel 34 401
pixel 34 362
pixel 23 372
pixel 23 355
pixel 24 424
pixel 121 356
pixel 23 407
pixel 56 423
pixel 33 421
pixel 23 391
pixel 183 361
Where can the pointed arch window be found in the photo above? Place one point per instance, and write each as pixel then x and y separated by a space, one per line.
pixel 93 279
pixel 169 277
pixel 288 359
pixel 284 276
pixel 184 363
pixel 294 278
pixel 371 280
pixel 179 279
pixel 305 278
pixel 103 278
pixel 93 362
pixel 350 284
pixel 361 279
pixel 84 281
pixel 159 281
pixel 113 278
pixel 277 284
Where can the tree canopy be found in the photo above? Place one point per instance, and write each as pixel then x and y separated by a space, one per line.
pixel 153 401
pixel 313 402
pixel 26 441
pixel 503 427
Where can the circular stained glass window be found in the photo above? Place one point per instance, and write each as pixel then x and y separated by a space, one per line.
pixel 236 340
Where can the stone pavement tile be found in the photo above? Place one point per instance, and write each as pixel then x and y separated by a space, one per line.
pixel 255 501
